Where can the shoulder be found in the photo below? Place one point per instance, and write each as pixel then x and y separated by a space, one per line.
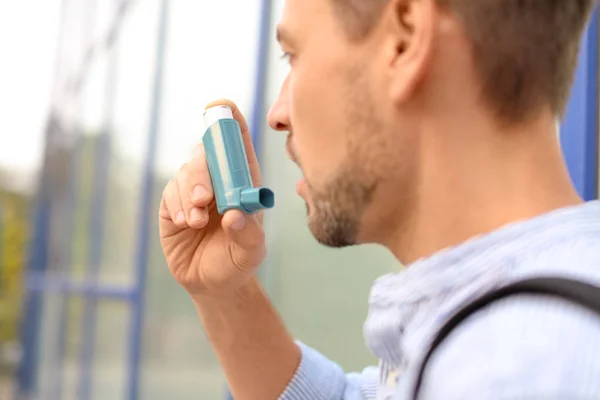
pixel 521 347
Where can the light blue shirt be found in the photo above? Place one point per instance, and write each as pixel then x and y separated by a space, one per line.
pixel 523 347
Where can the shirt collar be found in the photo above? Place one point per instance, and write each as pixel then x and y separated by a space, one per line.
pixel 482 257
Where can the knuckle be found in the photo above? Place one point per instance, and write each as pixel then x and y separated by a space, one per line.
pixel 239 259
pixel 199 177
pixel 246 260
pixel 258 240
pixel 168 189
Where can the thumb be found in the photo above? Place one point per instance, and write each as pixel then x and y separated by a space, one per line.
pixel 247 236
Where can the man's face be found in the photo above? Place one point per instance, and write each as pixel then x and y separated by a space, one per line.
pixel 335 104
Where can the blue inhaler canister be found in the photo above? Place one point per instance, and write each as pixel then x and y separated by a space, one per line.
pixel 228 165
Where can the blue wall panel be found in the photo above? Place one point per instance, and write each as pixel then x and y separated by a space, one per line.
pixel 579 136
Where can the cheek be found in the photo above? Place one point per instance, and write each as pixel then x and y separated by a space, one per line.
pixel 318 123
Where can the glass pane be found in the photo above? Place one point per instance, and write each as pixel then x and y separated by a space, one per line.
pixel 83 168
pixel 322 293
pixel 62 344
pixel 178 363
pixel 111 348
pixel 73 342
pixel 48 345
pixel 60 347
pixel 130 72
pixel 80 107
pixel 223 65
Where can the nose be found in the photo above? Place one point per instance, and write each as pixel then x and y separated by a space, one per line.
pixel 279 114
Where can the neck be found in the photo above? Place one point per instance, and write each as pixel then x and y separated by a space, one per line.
pixel 478 178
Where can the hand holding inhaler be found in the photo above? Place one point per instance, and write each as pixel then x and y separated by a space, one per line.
pixel 228 164
pixel 210 217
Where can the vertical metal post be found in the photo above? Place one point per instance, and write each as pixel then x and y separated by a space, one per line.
pixel 262 62
pixel 579 131
pixel 97 214
pixel 260 92
pixel 260 107
pixel 26 372
pixel 146 199
pixel 57 373
pixel 40 226
pixel 96 238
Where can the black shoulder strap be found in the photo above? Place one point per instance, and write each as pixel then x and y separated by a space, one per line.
pixel 577 292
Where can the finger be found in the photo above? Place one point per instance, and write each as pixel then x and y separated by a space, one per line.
pixel 246 136
pixel 244 230
pixel 199 182
pixel 196 217
pixel 171 205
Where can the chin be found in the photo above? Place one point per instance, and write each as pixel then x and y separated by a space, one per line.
pixel 327 232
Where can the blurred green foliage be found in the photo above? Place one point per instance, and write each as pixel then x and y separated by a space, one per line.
pixel 13 238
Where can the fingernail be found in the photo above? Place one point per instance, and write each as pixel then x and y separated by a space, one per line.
pixel 196 215
pixel 239 222
pixel 199 192
pixel 180 217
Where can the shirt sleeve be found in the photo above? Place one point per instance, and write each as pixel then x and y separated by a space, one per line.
pixel 319 378
pixel 525 347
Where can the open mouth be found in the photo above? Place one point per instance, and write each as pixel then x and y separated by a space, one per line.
pixel 290 153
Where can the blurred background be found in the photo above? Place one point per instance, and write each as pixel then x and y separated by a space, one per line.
pixel 101 103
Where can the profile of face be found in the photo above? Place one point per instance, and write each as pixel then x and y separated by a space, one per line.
pixel 342 104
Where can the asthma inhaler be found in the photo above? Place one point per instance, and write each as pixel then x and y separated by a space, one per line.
pixel 228 165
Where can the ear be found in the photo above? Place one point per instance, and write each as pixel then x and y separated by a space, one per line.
pixel 410 30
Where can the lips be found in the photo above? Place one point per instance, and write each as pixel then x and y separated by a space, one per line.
pixel 290 153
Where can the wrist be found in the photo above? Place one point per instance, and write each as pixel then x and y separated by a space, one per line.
pixel 244 292
pixel 249 339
